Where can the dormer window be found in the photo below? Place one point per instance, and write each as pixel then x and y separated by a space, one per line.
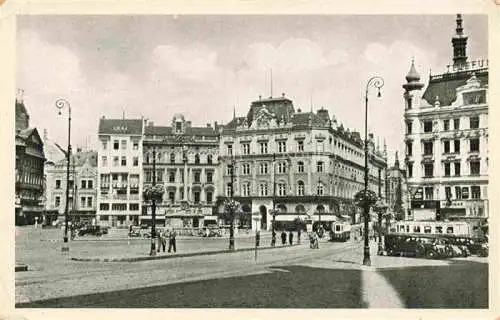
pixel 178 127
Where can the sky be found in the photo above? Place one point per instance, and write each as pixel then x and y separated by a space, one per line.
pixel 205 66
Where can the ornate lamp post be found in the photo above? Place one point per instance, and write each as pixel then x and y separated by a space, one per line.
pixel 60 104
pixel 231 206
pixel 153 194
pixel 376 82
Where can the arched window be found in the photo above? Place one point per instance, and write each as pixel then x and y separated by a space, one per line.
pixel 320 209
pixel 300 209
pixel 300 166
pixel 197 159
pixel 245 189
pixel 281 189
pixel 281 207
pixel 209 159
pixel 320 189
pixel 172 157
pixel 300 188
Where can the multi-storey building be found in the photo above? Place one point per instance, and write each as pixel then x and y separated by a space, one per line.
pixel 398 197
pixel 82 188
pixel 30 159
pixel 302 164
pixel 447 138
pixel 186 165
pixel 119 169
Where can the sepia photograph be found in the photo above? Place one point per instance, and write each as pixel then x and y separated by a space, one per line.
pixel 252 161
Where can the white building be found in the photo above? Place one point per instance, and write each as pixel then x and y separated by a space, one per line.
pixel 447 139
pixel 119 171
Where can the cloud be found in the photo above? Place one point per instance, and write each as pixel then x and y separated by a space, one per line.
pixel 194 64
pixel 46 67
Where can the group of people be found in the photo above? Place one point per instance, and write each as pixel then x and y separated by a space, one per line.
pixel 162 240
pixel 284 238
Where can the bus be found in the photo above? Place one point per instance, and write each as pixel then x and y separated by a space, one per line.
pixel 457 228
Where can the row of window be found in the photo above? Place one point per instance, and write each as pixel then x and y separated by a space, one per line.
pixel 460 193
pixel 84 184
pixel 117 162
pixel 474 169
pixel 196 196
pixel 428 125
pixel 148 176
pixel 161 158
pixel 119 206
pixel 29 177
pixel 117 144
pixel 281 167
pixel 85 202
pixel 281 189
pixel 281 147
pixel 428 146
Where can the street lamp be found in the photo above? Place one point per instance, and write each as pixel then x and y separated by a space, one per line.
pixel 153 194
pixel 60 104
pixel 231 206
pixel 376 82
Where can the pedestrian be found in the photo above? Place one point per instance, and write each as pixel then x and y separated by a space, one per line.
pixel 171 241
pixel 283 238
pixel 290 238
pixel 159 237
pixel 316 240
pixel 298 236
pixel 273 238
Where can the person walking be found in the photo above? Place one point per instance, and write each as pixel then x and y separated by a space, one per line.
pixel 283 238
pixel 273 239
pixel 171 241
pixel 159 237
pixel 298 236
pixel 290 238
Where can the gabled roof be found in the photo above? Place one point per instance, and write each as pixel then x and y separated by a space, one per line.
pixel 445 86
pixel 79 159
pixel 120 126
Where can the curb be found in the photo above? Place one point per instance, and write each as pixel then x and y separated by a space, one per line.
pixel 181 255
pixel 21 267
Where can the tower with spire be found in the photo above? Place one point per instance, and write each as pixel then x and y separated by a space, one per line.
pixel 412 87
pixel 459 42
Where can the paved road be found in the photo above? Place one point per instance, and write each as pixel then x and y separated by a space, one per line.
pixel 299 277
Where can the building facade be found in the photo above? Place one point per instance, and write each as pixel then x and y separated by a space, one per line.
pixel 294 164
pixel 447 139
pixel 82 198
pixel 119 171
pixel 185 161
pixel 29 170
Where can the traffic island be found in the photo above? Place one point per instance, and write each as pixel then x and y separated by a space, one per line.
pixel 176 255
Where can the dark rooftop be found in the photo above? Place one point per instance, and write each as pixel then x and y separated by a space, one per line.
pixel 444 86
pixel 120 126
pixel 190 131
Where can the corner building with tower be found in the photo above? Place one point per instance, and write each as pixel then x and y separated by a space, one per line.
pixel 446 139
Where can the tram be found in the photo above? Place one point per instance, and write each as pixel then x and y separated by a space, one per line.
pixel 340 231
pixel 456 228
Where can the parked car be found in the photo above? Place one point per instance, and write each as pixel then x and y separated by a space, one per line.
pixel 415 246
pixel 93 230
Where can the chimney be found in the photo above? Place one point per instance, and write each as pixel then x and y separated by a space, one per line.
pixel 45 135
pixel 103 117
pixel 215 125
pixel 188 124
pixel 78 149
pixel 209 125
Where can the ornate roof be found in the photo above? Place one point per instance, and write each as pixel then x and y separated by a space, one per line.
pixel 444 86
